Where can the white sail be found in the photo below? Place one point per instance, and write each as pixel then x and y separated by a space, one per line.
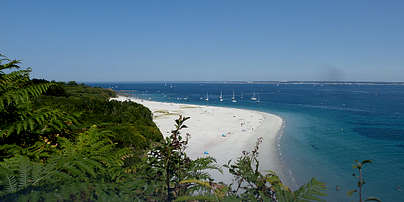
pixel 221 96
pixel 233 99
pixel 253 97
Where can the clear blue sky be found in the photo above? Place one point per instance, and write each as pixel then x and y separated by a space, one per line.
pixel 206 40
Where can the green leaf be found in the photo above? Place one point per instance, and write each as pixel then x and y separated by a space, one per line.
pixel 373 199
pixel 350 193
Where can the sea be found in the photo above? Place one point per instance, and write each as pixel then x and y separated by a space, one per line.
pixel 327 127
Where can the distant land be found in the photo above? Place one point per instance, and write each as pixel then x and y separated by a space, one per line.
pixel 272 82
pixel 329 82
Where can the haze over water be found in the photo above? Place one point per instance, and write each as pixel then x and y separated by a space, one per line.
pixel 327 127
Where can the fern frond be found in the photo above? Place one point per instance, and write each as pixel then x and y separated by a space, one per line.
pixel 23 177
pixel 199 182
pixel 91 155
pixel 311 191
pixel 21 173
pixel 12 184
pixel 11 64
pixel 196 198
pixel 21 95
pixel 39 119
pixel 13 79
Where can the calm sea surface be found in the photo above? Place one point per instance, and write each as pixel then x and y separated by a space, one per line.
pixel 327 128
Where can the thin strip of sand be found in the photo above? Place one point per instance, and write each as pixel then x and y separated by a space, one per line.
pixel 221 132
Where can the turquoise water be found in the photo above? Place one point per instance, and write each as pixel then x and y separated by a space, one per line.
pixel 327 127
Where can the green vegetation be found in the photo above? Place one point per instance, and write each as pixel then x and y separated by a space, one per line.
pixel 65 140
pixel 359 166
pixel 68 142
pixel 257 186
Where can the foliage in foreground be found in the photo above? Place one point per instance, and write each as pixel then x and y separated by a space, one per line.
pixel 174 172
pixel 359 166
pixel 90 169
pixel 68 142
pixel 256 186
pixel 22 127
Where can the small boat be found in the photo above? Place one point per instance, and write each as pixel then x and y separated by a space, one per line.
pixel 221 96
pixel 207 97
pixel 233 99
pixel 253 97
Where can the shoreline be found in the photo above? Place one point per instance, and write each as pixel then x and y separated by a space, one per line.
pixel 224 140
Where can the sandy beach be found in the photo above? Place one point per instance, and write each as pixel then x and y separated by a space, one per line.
pixel 221 132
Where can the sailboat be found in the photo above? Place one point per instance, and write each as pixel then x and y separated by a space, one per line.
pixel 233 99
pixel 221 96
pixel 207 97
pixel 258 98
pixel 253 97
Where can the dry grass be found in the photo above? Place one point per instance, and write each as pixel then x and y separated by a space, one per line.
pixel 189 107
pixel 161 113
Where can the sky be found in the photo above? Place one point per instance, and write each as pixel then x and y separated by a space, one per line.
pixel 206 40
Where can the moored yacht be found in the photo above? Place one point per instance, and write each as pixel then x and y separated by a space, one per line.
pixel 253 97
pixel 233 99
pixel 221 96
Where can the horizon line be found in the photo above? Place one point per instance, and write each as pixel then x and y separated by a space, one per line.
pixel 251 82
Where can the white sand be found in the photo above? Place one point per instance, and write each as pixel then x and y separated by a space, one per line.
pixel 207 124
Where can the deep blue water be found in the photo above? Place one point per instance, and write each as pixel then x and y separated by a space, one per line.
pixel 327 128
